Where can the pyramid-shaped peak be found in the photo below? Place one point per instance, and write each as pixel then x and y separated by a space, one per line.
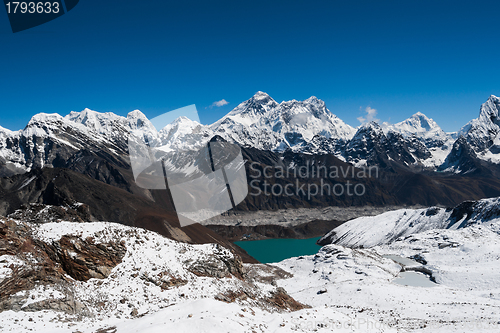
pixel 420 115
pixel 313 99
pixel 370 126
pixel 181 122
pixel 424 121
pixel 136 114
pixel 261 95
pixel 490 110
pixel 262 98
pixel 417 123
pixel 184 120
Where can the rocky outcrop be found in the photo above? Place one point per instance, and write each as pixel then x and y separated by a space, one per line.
pixel 83 260
pixel 40 213
pixel 221 264
pixel 278 301
pixel 281 300
pixel 36 196
pixel 94 271
pixel 36 264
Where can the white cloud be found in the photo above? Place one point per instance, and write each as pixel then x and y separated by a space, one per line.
pixel 220 103
pixel 371 115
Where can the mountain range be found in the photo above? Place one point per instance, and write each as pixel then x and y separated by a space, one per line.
pixel 83 158
pixel 417 143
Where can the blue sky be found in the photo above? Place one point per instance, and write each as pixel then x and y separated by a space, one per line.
pixel 398 57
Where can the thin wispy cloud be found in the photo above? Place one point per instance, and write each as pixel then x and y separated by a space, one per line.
pixel 371 115
pixel 218 104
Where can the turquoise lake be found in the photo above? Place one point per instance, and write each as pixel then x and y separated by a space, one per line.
pixel 274 250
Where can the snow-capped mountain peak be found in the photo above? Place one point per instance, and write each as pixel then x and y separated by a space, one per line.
pixel 483 132
pixel 419 125
pixel 250 111
pixel 183 134
pixel 182 124
pixel 260 95
pixel 424 138
pixel 137 115
pixel 421 120
pixel 314 99
pixel 44 118
pixel 102 123
pixel 262 123
pixel 490 110
pixel 138 120
pixel 44 124
pixel 370 126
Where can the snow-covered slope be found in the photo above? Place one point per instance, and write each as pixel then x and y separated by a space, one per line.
pixel 463 263
pixel 159 285
pixel 183 134
pixel 387 227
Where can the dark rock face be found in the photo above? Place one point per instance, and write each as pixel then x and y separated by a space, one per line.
pixel 15 240
pixel 30 193
pixel 462 158
pixel 394 185
pixel 386 151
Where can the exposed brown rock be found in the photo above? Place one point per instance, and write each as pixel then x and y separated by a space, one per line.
pixel 121 202
pixel 266 273
pixel 165 280
pixel 220 265
pixel 83 260
pixel 281 300
pixel 50 264
pixel 232 296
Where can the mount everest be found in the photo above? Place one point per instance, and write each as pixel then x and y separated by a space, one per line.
pixel 417 143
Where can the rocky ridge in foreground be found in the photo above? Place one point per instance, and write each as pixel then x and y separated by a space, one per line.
pixel 88 272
